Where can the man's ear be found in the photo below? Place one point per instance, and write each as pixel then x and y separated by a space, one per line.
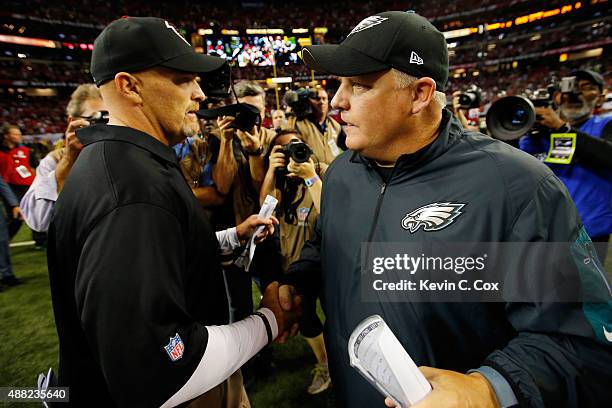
pixel 129 86
pixel 423 91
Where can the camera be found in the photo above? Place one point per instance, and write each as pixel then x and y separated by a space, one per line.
pixel 246 115
pixel 98 118
pixel 299 101
pixel 511 117
pixel 299 152
pixel 471 98
pixel 216 84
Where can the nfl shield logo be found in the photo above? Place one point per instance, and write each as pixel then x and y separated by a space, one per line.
pixel 302 214
pixel 175 348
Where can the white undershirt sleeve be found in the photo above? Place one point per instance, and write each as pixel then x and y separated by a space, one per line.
pixel 228 348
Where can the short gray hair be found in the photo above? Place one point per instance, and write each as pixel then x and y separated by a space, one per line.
pixel 248 88
pixel 403 80
pixel 83 93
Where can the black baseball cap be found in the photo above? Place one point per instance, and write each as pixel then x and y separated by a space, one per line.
pixel 402 40
pixel 132 44
pixel 591 76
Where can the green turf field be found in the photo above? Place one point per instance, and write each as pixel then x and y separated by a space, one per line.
pixel 28 340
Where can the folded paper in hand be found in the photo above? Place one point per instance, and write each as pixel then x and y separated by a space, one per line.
pixel 266 211
pixel 376 353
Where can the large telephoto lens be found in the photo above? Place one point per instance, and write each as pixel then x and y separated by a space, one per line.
pixel 510 118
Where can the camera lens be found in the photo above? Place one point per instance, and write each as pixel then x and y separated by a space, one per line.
pixel 465 99
pixel 510 118
pixel 514 119
pixel 300 154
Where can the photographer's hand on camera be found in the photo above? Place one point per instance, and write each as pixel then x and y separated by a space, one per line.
pixel 549 118
pixel 226 167
pixel 460 112
pixel 276 161
pixel 252 146
pixel 224 123
pixel 304 171
pixel 72 149
pixel 250 141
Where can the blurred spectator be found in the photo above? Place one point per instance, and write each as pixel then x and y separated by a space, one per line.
pixel 279 120
pixel 16 168
pixel 7 277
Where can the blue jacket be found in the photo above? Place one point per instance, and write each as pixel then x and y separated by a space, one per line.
pixel 590 188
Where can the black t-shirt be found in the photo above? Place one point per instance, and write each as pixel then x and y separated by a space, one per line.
pixel 134 272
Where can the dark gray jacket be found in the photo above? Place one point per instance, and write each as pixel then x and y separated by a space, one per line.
pixel 552 354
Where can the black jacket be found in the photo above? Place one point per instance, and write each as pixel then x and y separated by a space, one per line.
pixel 133 262
pixel 552 354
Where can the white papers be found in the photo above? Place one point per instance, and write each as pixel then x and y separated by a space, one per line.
pixel 376 353
pixel 266 211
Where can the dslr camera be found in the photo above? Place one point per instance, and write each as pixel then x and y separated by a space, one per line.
pixel 296 150
pixel 216 85
pixel 299 101
pixel 471 98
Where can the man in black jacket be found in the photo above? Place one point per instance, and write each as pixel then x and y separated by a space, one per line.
pixel 138 293
pixel 414 175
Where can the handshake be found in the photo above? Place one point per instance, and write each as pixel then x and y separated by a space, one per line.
pixel 286 306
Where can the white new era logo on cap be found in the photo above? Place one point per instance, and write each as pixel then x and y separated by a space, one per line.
pixel 415 59
pixel 368 22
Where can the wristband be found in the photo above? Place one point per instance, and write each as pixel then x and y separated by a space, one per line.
pixel 267 324
pixel 311 181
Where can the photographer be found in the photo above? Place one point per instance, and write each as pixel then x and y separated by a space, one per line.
pixel 38 202
pixel 239 166
pixel 586 169
pixel 319 131
pixel 460 112
pixel 295 180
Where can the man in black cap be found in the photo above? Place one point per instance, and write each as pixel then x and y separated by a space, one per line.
pixel 138 293
pixel 587 171
pixel 415 175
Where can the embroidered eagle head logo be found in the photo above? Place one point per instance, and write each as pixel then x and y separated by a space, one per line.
pixel 432 217
pixel 366 23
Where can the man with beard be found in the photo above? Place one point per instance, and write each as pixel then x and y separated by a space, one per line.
pixel 588 173
pixel 138 293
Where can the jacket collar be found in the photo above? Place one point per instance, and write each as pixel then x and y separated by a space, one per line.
pixel 97 133
pixel 450 132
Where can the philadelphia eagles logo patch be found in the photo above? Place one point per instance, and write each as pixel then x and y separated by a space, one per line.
pixel 368 22
pixel 432 217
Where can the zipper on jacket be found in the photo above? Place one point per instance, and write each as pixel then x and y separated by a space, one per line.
pixel 377 211
pixel 383 189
